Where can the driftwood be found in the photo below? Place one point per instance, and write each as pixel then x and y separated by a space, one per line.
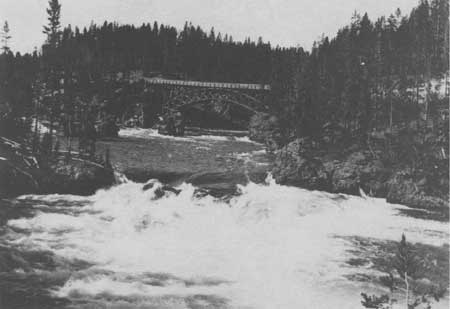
pixel 10 143
pixel 21 151
pixel 89 162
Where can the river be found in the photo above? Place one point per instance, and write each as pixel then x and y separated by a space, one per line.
pixel 265 246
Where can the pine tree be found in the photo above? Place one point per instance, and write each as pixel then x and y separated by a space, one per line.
pixel 51 63
pixel 5 38
pixel 52 30
pixel 405 263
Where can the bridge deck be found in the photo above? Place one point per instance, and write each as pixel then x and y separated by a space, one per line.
pixel 188 83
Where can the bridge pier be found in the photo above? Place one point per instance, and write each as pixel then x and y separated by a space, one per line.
pixel 152 106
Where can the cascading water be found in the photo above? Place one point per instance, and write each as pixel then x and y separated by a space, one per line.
pixel 271 246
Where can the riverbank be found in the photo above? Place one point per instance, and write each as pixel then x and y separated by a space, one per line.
pixel 22 173
pixel 359 171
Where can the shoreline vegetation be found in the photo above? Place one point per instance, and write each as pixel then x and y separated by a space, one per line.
pixel 59 172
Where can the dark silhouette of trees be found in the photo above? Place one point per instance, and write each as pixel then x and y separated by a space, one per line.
pixel 372 75
pixel 17 73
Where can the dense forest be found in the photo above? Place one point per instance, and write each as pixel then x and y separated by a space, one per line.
pixel 372 75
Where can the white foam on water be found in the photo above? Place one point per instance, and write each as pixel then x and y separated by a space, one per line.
pixel 242 139
pixel 272 246
pixel 147 133
pixel 246 139
pixel 153 133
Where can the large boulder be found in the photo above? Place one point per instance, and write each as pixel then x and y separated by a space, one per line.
pixel 294 166
pixel 264 128
pixel 358 170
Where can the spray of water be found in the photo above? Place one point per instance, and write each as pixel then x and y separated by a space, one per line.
pixel 271 246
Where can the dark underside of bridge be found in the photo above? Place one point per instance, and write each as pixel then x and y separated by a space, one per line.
pixel 234 118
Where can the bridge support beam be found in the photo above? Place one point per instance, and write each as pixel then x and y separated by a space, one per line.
pixel 152 106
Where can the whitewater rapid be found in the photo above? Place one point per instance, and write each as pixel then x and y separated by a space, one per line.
pixel 153 133
pixel 271 246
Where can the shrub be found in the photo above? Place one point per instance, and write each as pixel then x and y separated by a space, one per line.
pixel 402 277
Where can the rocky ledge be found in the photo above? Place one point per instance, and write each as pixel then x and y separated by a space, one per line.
pixel 295 164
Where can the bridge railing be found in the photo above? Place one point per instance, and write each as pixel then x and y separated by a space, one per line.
pixel 188 83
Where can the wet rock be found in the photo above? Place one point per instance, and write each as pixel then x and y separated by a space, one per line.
pixel 293 166
pixel 171 189
pixel 149 185
pixel 218 184
pixel 160 191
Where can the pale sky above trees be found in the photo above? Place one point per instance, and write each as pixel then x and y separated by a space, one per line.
pixel 282 22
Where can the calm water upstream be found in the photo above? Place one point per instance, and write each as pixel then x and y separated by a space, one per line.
pixel 268 246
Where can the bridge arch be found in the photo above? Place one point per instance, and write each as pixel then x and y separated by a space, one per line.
pixel 227 100
pixel 234 102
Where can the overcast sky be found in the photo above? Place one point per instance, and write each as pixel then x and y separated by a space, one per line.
pixel 282 22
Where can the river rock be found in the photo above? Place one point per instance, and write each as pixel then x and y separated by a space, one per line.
pixel 161 190
pixel 293 166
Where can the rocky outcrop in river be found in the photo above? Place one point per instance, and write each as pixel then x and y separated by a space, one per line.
pixel 298 165
pixel 295 166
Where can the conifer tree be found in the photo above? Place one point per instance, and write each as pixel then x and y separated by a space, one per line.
pixel 5 37
pixel 51 63
pixel 52 29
